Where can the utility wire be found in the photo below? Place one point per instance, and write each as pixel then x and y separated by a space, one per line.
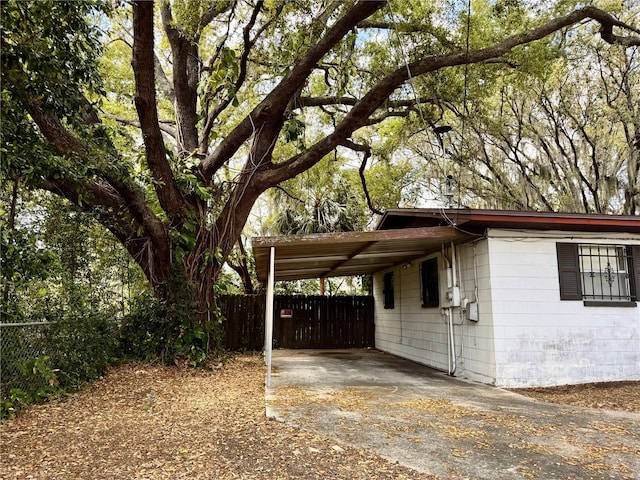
pixel 465 110
pixel 405 58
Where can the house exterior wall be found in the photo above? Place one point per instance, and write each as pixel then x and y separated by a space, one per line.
pixel 541 340
pixel 421 334
pixel 476 359
pixel 408 330
pixel 525 335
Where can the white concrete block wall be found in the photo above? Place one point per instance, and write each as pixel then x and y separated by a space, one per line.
pixel 541 340
pixel 526 335
pixel 475 339
pixel 408 330
pixel 421 334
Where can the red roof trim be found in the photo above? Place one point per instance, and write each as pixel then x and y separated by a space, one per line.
pixel 568 220
pixel 512 219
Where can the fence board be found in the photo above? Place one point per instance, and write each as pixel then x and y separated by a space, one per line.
pixel 316 322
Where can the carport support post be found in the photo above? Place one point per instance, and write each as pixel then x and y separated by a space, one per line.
pixel 268 315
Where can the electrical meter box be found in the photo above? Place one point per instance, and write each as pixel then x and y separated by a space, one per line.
pixel 451 297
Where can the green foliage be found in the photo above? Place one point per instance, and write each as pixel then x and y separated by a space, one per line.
pixel 53 47
pixel 333 286
pixel 58 267
pixel 84 345
pixel 164 329
pixel 50 51
pixel 223 76
pixel 320 200
pixel 146 331
pixel 47 361
pixel 392 184
pixel 293 130
pixel 24 263
pixel 14 402
pixel 188 13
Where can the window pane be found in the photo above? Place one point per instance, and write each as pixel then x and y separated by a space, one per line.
pixel 387 290
pixel 429 283
pixel 604 272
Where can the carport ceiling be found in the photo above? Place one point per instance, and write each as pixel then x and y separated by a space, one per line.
pixel 347 253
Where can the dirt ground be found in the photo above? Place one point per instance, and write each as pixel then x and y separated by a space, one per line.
pixel 155 422
pixel 624 396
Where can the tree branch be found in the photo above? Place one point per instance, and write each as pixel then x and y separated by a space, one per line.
pixel 274 105
pixel 359 115
pixel 289 194
pixel 186 74
pixel 351 101
pixel 214 10
pixel 161 76
pixel 163 81
pixel 242 74
pixel 388 114
pixel 606 32
pixel 404 27
pixel 112 211
pixel 164 125
pixel 169 195
pixel 56 134
pixel 366 149
pixel 242 269
pixel 102 194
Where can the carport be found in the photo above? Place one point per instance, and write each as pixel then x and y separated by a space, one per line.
pixel 297 257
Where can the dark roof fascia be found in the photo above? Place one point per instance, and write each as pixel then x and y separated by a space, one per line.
pixel 477 220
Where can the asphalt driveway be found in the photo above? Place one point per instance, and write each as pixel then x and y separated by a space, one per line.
pixel 446 426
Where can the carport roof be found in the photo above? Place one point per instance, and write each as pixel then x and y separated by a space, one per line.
pixel 406 234
pixel 347 253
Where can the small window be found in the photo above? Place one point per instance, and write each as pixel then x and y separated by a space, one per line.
pixel 387 290
pixel 604 270
pixel 599 274
pixel 429 283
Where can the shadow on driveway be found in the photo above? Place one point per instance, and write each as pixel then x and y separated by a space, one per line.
pixel 445 426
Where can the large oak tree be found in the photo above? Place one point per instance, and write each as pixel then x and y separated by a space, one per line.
pixel 561 133
pixel 250 94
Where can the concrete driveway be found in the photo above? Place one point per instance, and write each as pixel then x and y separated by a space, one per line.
pixel 445 426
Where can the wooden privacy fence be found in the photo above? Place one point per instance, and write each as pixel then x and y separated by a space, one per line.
pixel 244 324
pixel 299 321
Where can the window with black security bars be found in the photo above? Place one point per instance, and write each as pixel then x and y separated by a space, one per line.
pixel 604 272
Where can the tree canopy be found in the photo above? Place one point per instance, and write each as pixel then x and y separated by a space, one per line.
pixel 168 120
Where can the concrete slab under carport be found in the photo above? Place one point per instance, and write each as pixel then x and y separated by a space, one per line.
pixel 449 427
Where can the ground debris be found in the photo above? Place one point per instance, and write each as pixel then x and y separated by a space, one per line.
pixel 623 396
pixel 441 407
pixel 150 421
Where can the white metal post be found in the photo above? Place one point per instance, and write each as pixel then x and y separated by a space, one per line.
pixel 268 316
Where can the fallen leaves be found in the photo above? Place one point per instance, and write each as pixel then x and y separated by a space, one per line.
pixel 623 396
pixel 144 421
pixel 151 421
pixel 442 407
pixel 608 428
pixel 465 432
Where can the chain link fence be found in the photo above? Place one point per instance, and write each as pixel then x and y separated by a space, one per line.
pixel 21 345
